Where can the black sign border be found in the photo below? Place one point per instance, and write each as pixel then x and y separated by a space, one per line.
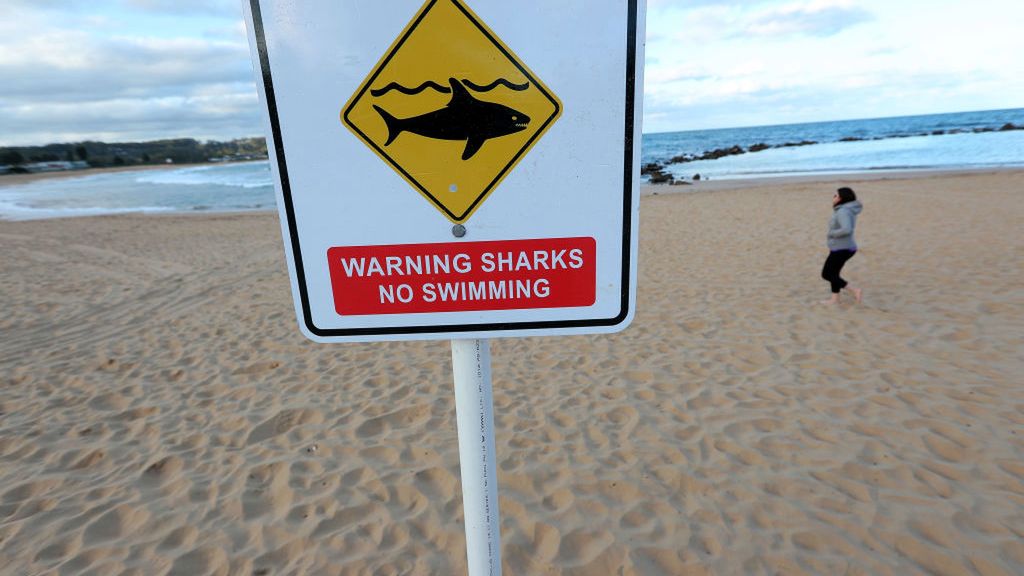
pixel 627 204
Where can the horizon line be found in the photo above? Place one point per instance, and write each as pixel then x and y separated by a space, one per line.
pixel 231 139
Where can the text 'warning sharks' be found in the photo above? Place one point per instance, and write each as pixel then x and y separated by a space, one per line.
pixel 463 276
pixel 451 108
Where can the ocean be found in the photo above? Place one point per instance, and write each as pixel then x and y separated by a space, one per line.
pixel 937 141
pixel 214 188
pixel 933 142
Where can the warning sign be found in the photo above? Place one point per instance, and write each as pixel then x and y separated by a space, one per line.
pixel 454 168
pixel 451 108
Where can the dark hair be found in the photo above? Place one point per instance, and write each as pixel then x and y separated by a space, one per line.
pixel 846 195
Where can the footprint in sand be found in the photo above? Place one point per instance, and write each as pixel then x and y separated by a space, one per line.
pixel 282 422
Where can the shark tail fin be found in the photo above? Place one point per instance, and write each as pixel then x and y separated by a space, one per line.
pixel 393 124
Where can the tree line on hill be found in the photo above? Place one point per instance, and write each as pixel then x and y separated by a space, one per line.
pixel 102 154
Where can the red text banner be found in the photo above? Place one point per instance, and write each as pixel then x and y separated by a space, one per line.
pixel 463 276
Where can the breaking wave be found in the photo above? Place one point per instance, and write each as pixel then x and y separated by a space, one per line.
pixel 220 187
pixel 230 175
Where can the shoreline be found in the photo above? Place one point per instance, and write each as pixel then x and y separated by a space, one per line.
pixel 11 180
pixel 19 179
pixel 148 214
pixel 646 189
pixel 822 178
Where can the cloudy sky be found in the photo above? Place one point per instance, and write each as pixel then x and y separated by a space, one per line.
pixel 120 70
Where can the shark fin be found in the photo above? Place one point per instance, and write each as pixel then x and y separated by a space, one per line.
pixel 472 146
pixel 459 92
pixel 394 129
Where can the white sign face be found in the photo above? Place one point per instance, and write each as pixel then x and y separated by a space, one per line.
pixel 454 168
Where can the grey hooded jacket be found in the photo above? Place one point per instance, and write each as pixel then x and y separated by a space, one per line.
pixel 840 228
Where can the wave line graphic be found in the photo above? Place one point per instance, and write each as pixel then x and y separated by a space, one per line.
pixel 445 90
pixel 410 91
pixel 495 84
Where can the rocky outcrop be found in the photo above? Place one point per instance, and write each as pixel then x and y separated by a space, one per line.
pixel 657 174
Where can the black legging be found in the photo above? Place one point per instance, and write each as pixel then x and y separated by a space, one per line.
pixel 833 264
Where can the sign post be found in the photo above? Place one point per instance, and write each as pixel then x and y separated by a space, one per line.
pixel 471 363
pixel 455 169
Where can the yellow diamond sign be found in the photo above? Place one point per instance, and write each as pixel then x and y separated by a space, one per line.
pixel 451 108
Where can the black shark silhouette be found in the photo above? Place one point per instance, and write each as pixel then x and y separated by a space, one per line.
pixel 463 118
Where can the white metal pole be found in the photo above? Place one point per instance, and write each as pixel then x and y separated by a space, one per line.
pixel 474 415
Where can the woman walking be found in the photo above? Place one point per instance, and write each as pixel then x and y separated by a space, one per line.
pixel 841 244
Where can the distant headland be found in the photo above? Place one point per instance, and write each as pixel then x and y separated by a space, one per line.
pixel 90 154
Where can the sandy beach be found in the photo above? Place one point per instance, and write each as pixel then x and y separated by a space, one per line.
pixel 161 414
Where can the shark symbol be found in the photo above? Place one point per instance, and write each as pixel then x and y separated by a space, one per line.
pixel 463 118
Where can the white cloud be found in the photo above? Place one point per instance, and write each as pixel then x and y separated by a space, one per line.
pixel 815 18
pixel 717 21
pixel 68 78
pixel 73 66
pixel 181 68
pixel 721 64
pixel 203 116
pixel 217 7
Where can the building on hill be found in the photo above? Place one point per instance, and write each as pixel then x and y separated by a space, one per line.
pixel 56 166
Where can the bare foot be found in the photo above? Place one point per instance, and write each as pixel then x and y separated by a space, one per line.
pixel 858 294
pixel 831 301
